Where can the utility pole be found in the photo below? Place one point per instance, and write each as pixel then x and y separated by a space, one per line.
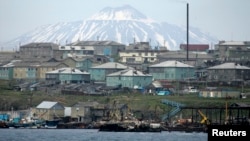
pixel 187 28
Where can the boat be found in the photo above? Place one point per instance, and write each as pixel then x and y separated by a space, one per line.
pixel 51 124
pixel 130 127
pixel 3 124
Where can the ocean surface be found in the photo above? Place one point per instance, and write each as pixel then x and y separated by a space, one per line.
pixel 95 135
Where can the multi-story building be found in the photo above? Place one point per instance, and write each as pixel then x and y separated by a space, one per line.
pixel 34 71
pixel 172 70
pixel 107 48
pixel 99 73
pixel 138 54
pixel 7 70
pixel 129 78
pixel 37 50
pixel 73 51
pixel 82 64
pixel 66 76
pixel 233 51
pixel 228 72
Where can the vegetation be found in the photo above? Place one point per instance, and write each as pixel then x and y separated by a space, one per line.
pixel 19 100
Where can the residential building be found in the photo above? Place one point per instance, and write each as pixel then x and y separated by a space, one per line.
pixel 7 70
pixel 99 73
pixel 129 78
pixel 82 111
pixel 48 110
pixel 34 71
pixel 73 51
pixel 47 67
pixel 26 70
pixel 196 59
pixel 107 48
pixel 82 64
pixel 233 51
pixel 66 76
pixel 171 70
pixel 6 56
pixel 139 55
pixel 228 72
pixel 37 50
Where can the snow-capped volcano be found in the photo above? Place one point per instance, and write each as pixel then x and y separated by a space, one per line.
pixel 122 24
pixel 120 13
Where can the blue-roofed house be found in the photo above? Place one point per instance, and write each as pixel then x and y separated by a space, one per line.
pixel 48 110
pixel 129 78
pixel 99 73
pixel 171 70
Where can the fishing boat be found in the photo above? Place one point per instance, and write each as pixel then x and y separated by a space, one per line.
pixel 130 127
pixel 3 124
pixel 51 124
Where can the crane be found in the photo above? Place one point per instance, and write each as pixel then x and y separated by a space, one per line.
pixel 204 120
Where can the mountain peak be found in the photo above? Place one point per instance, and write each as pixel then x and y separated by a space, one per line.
pixel 125 12
pixel 121 24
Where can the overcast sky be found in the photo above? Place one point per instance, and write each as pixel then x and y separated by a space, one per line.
pixel 224 19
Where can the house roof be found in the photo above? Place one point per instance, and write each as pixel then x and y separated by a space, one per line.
pixel 26 64
pixel 41 44
pixel 240 105
pixel 183 55
pixel 111 65
pixel 11 63
pixel 172 63
pixel 33 60
pixel 67 71
pixel 76 59
pixel 229 66
pixel 128 72
pixel 96 43
pixel 51 64
pixel 236 43
pixel 46 105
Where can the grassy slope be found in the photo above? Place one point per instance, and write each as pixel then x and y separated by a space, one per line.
pixel 23 100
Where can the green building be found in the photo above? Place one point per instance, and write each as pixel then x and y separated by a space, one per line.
pixel 171 70
pixel 67 75
pixel 99 73
pixel 129 78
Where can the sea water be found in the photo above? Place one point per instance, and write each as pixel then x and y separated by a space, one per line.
pixel 95 135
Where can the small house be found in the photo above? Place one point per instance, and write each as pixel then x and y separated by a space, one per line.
pixel 49 110
pixel 82 111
